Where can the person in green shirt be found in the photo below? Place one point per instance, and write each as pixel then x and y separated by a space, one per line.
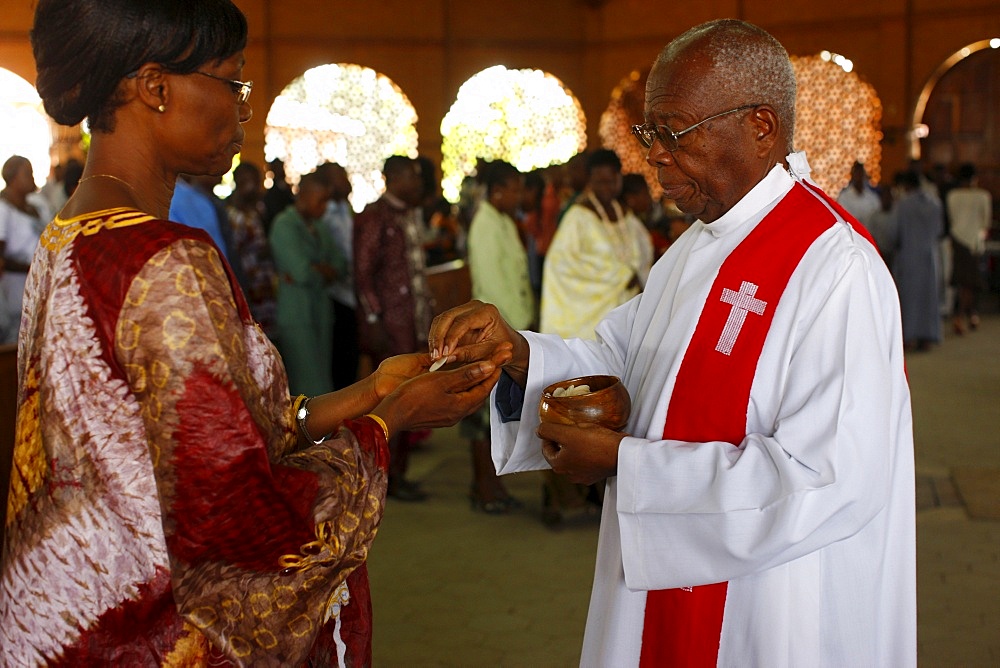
pixel 307 261
pixel 498 265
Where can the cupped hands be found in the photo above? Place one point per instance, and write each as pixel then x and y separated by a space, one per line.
pixel 441 398
pixel 584 453
pixel 475 331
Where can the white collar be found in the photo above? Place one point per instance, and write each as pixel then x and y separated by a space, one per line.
pixel 798 166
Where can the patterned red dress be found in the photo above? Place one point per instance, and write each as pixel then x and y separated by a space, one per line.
pixel 159 511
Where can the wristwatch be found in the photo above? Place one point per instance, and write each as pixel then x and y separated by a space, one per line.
pixel 301 416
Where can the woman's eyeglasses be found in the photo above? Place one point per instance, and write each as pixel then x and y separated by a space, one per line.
pixel 240 88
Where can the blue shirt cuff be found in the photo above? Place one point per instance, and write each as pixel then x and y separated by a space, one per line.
pixel 509 399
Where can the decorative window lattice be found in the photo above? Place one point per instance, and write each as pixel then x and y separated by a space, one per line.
pixel 838 119
pixel 341 113
pixel 525 117
pixel 626 109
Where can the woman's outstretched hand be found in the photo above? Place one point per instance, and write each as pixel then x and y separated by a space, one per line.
pixel 474 332
pixel 395 371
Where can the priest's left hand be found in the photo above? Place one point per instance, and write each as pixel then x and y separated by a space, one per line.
pixel 585 454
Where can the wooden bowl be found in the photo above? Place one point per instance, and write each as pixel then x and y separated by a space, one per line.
pixel 607 404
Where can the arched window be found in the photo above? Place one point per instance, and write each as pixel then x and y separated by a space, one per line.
pixel 626 109
pixel 838 119
pixel 341 113
pixel 525 117
pixel 25 130
pixel 957 116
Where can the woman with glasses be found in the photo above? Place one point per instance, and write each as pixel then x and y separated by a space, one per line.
pixel 170 503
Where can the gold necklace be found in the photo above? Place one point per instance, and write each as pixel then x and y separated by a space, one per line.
pixel 113 178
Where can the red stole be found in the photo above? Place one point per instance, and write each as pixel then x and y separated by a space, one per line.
pixel 683 627
pixel 858 227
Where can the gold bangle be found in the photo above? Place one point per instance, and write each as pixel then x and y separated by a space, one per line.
pixel 298 404
pixel 381 423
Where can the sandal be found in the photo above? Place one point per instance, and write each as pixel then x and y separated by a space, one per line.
pixel 494 506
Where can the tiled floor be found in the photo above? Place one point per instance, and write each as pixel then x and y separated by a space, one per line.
pixel 456 588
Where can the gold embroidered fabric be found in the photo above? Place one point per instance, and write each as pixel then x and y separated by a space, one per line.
pixel 163 471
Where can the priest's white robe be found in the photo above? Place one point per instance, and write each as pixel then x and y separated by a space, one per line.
pixel 811 518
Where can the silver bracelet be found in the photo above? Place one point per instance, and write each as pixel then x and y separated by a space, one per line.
pixel 301 416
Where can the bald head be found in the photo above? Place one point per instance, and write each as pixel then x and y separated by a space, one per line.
pixel 747 65
pixel 720 102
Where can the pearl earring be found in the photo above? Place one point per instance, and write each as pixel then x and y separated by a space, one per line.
pixel 162 108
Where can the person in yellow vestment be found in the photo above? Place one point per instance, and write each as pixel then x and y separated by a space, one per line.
pixel 600 256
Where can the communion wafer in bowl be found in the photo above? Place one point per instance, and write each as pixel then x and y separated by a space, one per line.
pixel 607 404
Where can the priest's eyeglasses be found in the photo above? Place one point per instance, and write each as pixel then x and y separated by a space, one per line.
pixel 648 133
pixel 240 88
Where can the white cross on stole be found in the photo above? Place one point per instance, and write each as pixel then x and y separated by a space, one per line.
pixel 743 302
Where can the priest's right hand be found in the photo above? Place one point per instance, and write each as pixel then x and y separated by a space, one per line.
pixel 475 331
pixel 441 398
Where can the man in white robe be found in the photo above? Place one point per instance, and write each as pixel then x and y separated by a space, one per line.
pixel 800 524
pixel 858 197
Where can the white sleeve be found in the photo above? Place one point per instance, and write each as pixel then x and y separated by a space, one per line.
pixel 515 446
pixel 5 213
pixel 697 513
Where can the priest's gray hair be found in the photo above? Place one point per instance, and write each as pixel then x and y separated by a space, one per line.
pixel 748 61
